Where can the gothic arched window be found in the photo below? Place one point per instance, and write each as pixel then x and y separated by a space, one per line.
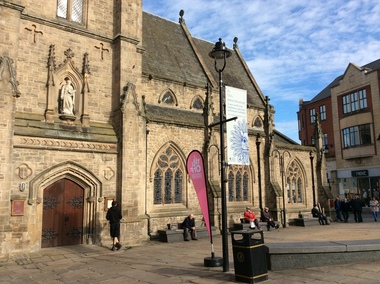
pixel 168 178
pixel 168 98
pixel 197 103
pixel 294 183
pixel 238 181
pixel 258 123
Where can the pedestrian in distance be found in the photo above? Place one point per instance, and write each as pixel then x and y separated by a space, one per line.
pixel 345 206
pixel 357 207
pixel 374 204
pixel 338 210
pixel 114 217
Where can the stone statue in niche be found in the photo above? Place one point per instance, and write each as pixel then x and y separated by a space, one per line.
pixel 67 98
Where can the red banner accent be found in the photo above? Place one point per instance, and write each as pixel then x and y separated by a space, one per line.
pixel 195 169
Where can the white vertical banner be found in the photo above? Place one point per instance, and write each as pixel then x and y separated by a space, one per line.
pixel 237 130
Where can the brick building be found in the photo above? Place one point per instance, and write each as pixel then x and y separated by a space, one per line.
pixel 350 128
pixel 102 101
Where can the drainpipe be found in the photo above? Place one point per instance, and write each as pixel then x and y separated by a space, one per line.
pixel 146 181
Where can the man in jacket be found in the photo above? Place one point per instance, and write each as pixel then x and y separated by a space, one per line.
pixel 188 226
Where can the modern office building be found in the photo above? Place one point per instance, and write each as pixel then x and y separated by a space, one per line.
pixel 348 112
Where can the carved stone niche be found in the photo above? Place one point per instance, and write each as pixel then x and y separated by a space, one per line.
pixel 67 90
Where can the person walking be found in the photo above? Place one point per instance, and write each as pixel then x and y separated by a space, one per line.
pixel 374 204
pixel 114 217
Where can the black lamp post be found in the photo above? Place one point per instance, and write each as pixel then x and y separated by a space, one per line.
pixel 220 53
pixel 312 176
pixel 259 170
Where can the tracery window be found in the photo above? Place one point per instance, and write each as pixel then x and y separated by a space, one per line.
pixel 71 10
pixel 294 183
pixel 238 181
pixel 168 178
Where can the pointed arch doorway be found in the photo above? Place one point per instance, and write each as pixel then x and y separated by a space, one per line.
pixel 62 219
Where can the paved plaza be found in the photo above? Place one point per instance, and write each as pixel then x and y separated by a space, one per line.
pixel 182 262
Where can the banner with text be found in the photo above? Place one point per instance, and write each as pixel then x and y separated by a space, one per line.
pixel 237 130
pixel 195 169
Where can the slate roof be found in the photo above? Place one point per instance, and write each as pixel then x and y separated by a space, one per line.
pixel 177 116
pixel 169 54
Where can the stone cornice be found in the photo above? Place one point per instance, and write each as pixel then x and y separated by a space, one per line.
pixel 63 145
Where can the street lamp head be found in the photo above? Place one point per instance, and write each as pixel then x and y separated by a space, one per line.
pixel 220 51
pixel 311 155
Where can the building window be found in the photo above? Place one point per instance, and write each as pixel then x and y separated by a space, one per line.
pixel 258 123
pixel 354 102
pixel 322 112
pixel 312 116
pixel 168 178
pixel 325 141
pixel 294 183
pixel 238 182
pixel 71 10
pixel 356 135
pixel 197 104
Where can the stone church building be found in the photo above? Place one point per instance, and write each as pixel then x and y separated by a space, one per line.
pixel 101 101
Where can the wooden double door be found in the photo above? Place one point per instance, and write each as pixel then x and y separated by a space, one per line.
pixel 62 220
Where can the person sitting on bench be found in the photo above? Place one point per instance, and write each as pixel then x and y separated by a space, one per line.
pixel 319 213
pixel 266 217
pixel 250 217
pixel 188 226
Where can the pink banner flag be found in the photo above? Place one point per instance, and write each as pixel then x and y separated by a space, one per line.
pixel 195 169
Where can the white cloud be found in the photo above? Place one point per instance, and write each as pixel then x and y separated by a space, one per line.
pixel 294 48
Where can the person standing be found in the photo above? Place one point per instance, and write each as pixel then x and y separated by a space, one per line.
pixel 266 217
pixel 250 217
pixel 338 210
pixel 188 226
pixel 114 217
pixel 374 204
pixel 346 208
pixel 357 208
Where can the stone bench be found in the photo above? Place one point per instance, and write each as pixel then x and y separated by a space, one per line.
pixel 244 225
pixel 305 222
pixel 174 233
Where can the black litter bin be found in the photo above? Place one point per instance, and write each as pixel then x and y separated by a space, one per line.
pixel 249 256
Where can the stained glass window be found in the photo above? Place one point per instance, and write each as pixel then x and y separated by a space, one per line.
pixel 238 183
pixel 294 183
pixel 168 178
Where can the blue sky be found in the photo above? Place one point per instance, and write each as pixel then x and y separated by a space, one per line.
pixel 294 48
